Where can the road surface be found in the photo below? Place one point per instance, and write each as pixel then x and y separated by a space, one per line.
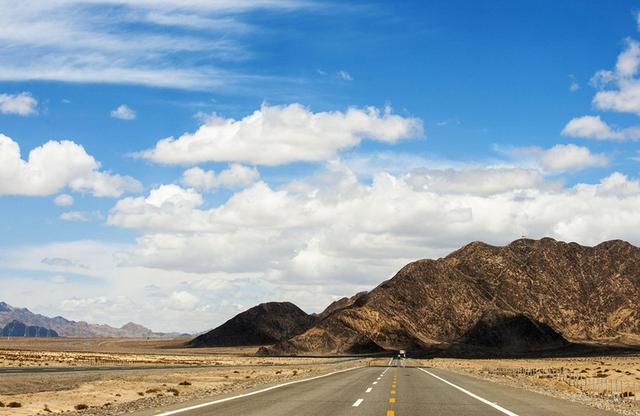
pixel 384 391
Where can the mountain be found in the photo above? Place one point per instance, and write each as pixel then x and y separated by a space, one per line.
pixel 266 323
pixel 340 304
pixel 528 295
pixel 66 328
pixel 18 329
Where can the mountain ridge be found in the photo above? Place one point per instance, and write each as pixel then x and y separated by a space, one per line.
pixel 564 292
pixel 67 328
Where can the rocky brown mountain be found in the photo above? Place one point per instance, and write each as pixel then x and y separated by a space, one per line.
pixel 340 304
pixel 67 328
pixel 528 295
pixel 266 323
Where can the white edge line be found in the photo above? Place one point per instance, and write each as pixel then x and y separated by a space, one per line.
pixel 201 405
pixel 357 403
pixel 475 396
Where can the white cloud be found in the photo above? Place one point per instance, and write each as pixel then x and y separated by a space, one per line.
pixel 22 104
pixel 63 200
pixel 475 181
pixel 276 135
pixel 81 216
pixel 592 127
pixel 76 41
pixel 619 90
pixel 344 75
pixel 54 166
pixel 563 157
pixel 183 300
pixel 236 176
pixel 103 184
pixel 123 112
pixel 573 84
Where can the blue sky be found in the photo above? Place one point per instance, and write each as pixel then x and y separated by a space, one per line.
pixel 315 147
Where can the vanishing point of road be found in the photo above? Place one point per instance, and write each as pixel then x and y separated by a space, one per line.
pixel 394 390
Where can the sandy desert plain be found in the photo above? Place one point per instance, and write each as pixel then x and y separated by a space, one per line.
pixel 118 376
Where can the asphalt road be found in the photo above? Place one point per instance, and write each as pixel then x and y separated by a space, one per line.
pixel 385 391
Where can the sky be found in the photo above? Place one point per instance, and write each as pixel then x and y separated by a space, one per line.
pixel 173 163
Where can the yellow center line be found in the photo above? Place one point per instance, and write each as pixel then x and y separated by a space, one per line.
pixel 392 400
pixel 393 392
pixel 391 413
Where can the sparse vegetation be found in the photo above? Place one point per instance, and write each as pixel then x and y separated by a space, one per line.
pixel 173 391
pixel 81 406
pixel 14 404
pixel 184 383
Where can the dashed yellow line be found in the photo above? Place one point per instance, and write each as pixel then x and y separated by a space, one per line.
pixel 392 400
pixel 393 392
pixel 391 413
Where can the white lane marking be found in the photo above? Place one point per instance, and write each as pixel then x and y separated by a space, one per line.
pixel 199 406
pixel 369 390
pixel 375 382
pixel 390 361
pixel 357 403
pixel 475 396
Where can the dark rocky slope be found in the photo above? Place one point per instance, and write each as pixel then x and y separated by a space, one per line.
pixel 266 323
pixel 18 329
pixel 528 295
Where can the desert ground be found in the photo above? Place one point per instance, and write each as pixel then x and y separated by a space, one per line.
pixel 118 376
pixel 606 382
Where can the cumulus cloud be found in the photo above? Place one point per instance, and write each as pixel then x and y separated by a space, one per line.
pixel 563 157
pixel 123 112
pixel 22 104
pixel 593 127
pixel 620 89
pixel 333 225
pixel 617 90
pixel 63 200
pixel 236 176
pixel 275 135
pixel 54 166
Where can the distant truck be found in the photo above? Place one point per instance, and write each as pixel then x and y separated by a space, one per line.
pixel 402 354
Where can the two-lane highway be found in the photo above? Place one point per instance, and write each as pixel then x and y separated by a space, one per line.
pixel 394 390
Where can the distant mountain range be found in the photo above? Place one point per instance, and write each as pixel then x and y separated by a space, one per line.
pixel 66 328
pixel 530 295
